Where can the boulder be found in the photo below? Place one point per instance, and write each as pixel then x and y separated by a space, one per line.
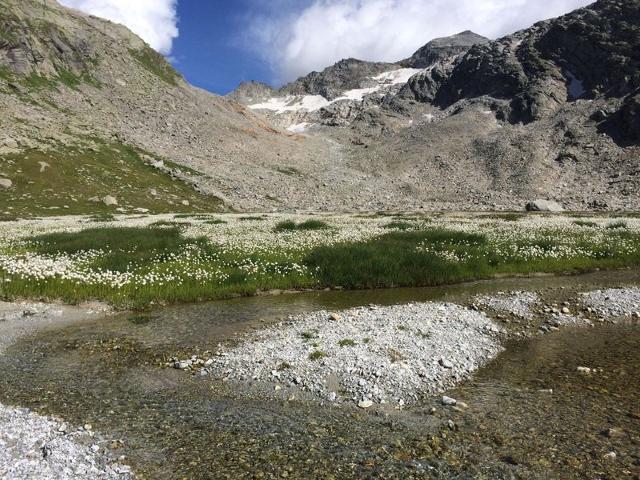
pixel 5 183
pixel 110 201
pixel 544 206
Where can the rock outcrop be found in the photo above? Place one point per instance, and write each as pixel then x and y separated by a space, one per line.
pixel 444 49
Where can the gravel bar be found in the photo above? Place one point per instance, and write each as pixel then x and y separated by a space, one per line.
pixel 368 355
pixel 37 447
pixel 614 302
pixel 518 304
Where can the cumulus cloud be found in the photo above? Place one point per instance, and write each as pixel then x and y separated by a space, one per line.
pixel 153 20
pixel 322 32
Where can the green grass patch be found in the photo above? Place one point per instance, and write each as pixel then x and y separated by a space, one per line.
pixel 155 63
pixel 317 355
pixel 151 255
pixel 347 342
pixel 309 335
pixel 438 257
pixel 162 261
pixel 391 261
pixel 124 248
pixel 402 226
pixel 290 226
pixel 507 216
pixel 64 181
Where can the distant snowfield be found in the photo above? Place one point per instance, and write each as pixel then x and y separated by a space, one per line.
pixel 312 103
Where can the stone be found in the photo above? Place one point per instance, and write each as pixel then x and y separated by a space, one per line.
pixel 364 404
pixel 5 183
pixel 610 456
pixel 614 432
pixel 445 363
pixel 584 370
pixel 449 401
pixel 335 317
pixel 10 143
pixel 544 206
pixel 110 201
pixel 565 310
pixel 185 203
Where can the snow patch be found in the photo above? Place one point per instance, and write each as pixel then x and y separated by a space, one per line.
pixel 358 94
pixel 312 103
pixel 395 77
pixel 309 103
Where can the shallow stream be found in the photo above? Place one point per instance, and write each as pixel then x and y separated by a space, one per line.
pixel 109 373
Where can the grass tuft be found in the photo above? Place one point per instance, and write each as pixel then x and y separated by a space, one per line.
pixel 585 223
pixel 617 225
pixel 291 226
pixel 317 355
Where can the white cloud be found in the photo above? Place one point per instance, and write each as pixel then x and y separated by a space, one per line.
pixel 325 31
pixel 153 20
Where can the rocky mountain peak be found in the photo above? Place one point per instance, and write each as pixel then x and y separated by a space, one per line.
pixel 251 92
pixel 347 74
pixel 444 48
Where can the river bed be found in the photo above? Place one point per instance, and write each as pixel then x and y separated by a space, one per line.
pixel 530 413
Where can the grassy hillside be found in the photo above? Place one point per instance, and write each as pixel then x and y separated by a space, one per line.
pixel 68 180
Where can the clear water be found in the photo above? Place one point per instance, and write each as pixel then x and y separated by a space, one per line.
pixel 108 373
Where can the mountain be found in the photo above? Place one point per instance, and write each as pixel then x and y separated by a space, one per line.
pixel 89 111
pixel 552 111
pixel 108 115
pixel 442 49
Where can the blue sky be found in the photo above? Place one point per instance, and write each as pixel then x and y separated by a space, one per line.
pixel 211 51
pixel 217 44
